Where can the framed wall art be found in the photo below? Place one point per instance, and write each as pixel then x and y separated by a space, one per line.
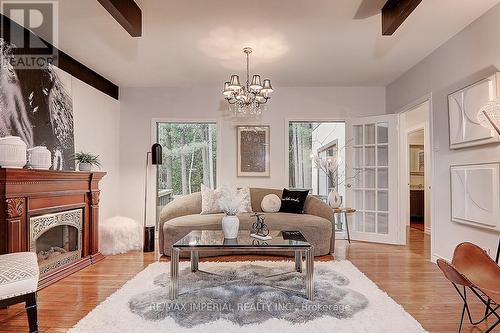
pixel 475 195
pixel 253 151
pixel 463 107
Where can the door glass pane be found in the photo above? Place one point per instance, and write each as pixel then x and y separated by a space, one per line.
pixel 358 221
pixel 382 178
pixel 358 157
pixel 358 200
pixel 357 178
pixel 358 134
pixel 383 201
pixel 369 178
pixel 370 134
pixel 382 223
pixel 382 132
pixel 382 155
pixel 370 200
pixel 370 222
pixel 370 156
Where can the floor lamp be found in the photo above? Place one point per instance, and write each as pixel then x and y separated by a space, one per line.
pixel 149 231
pixel 489 117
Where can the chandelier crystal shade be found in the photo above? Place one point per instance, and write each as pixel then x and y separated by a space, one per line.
pixel 248 98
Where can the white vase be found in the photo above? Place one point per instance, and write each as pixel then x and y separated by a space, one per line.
pixel 230 226
pixel 84 167
pixel 12 152
pixel 39 158
pixel 334 200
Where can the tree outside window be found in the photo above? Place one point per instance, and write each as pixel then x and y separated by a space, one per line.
pixel 189 159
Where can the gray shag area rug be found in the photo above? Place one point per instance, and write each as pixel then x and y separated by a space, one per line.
pixel 243 296
pixel 242 300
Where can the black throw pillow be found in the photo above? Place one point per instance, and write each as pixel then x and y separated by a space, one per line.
pixel 293 201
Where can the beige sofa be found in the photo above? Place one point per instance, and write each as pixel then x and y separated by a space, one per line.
pixel 182 215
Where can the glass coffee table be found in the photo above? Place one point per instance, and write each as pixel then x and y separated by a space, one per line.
pixel 213 240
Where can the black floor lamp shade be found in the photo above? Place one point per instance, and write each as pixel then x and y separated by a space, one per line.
pixel 156 155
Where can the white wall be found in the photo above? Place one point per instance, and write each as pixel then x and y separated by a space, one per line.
pixel 97 123
pixel 140 105
pixel 471 55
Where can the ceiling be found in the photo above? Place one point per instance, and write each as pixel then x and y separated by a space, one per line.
pixel 296 42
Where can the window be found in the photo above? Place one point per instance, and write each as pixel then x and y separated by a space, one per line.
pixel 310 141
pixel 189 159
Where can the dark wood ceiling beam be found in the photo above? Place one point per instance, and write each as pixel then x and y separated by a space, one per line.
pixel 64 61
pixel 127 13
pixel 395 12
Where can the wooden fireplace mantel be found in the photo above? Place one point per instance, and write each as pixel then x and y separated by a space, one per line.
pixel 26 193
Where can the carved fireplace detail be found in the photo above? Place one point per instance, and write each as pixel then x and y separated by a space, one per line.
pixel 52 213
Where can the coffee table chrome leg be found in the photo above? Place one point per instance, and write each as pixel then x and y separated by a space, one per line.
pixel 174 274
pixel 194 261
pixel 298 261
pixel 310 273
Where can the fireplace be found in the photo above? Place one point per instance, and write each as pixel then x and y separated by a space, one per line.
pixel 54 214
pixel 56 239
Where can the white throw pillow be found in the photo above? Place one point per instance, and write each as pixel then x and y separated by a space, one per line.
pixel 271 203
pixel 210 200
pixel 246 201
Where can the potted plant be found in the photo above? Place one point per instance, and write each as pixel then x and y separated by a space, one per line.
pixel 86 161
pixel 230 203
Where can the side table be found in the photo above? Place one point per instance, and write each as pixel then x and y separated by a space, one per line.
pixel 344 211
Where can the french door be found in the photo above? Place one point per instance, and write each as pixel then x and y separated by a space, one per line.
pixel 372 163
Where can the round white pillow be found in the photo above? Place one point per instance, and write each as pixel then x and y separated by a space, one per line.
pixel 271 203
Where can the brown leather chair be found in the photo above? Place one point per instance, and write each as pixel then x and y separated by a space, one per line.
pixel 471 268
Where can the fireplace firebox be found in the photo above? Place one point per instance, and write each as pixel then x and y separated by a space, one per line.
pixel 56 239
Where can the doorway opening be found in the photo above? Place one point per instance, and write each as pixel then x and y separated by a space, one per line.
pixel 416 162
pixel 417 173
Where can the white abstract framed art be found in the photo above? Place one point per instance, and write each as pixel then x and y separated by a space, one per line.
pixel 463 107
pixel 475 195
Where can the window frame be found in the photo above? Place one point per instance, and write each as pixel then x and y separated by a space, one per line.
pixel 153 181
pixel 326 148
pixel 287 142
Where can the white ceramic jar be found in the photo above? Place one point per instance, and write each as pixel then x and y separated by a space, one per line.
pixel 230 226
pixel 39 158
pixel 12 152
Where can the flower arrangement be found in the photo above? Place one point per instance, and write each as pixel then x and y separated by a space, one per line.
pixel 330 165
pixel 230 201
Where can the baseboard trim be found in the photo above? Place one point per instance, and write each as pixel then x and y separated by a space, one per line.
pixel 436 256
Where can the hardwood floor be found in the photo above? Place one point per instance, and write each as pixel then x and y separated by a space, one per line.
pixel 404 272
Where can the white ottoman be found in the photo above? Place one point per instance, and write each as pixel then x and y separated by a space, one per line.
pixel 119 235
pixel 19 281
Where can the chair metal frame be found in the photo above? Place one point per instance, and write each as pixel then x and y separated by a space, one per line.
pixel 489 309
pixel 457 278
pixel 30 305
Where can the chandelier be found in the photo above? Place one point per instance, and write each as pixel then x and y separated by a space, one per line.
pixel 247 99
